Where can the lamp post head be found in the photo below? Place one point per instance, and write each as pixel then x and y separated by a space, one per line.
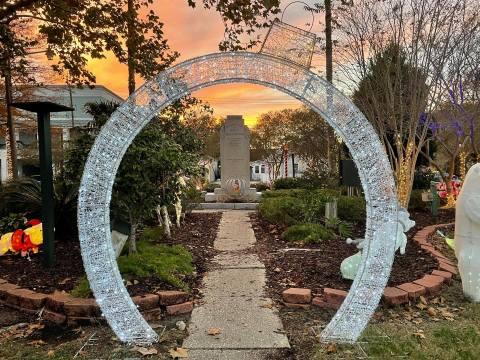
pixel 41 106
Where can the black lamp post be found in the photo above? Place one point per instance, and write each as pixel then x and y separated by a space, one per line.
pixel 43 110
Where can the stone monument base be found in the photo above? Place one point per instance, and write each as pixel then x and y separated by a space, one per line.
pixel 221 196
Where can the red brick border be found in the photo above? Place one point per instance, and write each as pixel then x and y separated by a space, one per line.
pixel 430 284
pixel 62 308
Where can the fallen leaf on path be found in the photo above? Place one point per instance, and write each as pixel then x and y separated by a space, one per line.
pixel 214 331
pixel 178 353
pixel 145 351
pixel 50 353
pixel 423 300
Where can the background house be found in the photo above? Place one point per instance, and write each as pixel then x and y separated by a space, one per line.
pixel 62 123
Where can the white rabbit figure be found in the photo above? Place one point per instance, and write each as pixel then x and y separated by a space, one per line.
pixel 350 265
pixel 467 234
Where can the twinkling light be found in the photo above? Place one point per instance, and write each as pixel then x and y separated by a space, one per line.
pixel 288 42
pixel 297 81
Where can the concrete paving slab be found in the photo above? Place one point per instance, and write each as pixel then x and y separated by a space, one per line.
pixel 234 282
pixel 234 300
pixel 229 354
pixel 245 323
pixel 229 260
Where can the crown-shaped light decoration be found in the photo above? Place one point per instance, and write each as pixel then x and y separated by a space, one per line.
pixel 290 43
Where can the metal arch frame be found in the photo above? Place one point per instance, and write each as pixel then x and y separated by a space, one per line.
pixel 233 67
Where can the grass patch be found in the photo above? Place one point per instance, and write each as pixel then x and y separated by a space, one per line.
pixel 82 289
pixel 430 339
pixel 170 264
pixel 307 233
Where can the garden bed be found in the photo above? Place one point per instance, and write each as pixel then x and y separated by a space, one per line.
pixel 197 234
pixel 319 266
pixel 439 242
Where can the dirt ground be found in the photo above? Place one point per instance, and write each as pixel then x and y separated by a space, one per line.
pixel 197 234
pixel 319 266
pixel 23 337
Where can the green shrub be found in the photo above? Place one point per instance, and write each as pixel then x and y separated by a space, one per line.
pixel 170 264
pixel 282 193
pixel 191 197
pixel 281 210
pixel 24 196
pixel 313 206
pixel 341 227
pixel 307 233
pixel 286 183
pixel 11 223
pixel 261 186
pixel 82 289
pixel 152 234
pixel 352 209
pixel 416 202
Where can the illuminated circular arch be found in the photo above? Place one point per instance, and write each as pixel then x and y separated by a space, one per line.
pixel 130 118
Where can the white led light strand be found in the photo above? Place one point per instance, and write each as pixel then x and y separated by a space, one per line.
pixel 297 81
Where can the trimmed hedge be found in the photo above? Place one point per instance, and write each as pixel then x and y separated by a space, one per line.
pixel 281 210
pixel 307 233
pixel 351 208
pixel 288 207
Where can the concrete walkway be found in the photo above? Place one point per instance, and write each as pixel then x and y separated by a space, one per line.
pixel 234 302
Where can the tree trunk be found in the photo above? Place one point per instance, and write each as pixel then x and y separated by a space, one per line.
pixel 159 215
pixel 132 241
pixel 166 221
pixel 328 40
pixel 178 212
pixel 131 42
pixel 12 168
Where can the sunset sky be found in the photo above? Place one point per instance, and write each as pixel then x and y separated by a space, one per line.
pixel 194 32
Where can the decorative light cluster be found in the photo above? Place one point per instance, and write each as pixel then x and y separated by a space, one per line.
pixel 290 43
pixel 297 81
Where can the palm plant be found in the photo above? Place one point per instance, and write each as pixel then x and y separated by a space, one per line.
pixel 24 196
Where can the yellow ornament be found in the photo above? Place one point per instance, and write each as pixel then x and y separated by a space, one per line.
pixel 5 243
pixel 35 234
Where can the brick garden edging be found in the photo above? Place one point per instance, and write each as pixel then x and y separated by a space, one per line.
pixel 428 285
pixel 62 308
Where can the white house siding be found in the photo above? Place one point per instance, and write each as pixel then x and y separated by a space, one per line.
pixel 61 94
pixel 259 169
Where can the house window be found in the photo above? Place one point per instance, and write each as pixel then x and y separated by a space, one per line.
pixel 263 169
pixel 257 169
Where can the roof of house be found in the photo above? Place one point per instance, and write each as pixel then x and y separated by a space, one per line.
pixel 76 97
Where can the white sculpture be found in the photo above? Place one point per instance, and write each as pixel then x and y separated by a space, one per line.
pixel 349 266
pixel 467 233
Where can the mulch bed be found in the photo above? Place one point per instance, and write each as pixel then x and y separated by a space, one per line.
pixel 321 268
pixel 197 234
pixel 439 242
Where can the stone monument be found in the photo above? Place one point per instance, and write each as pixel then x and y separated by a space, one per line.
pixel 235 162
